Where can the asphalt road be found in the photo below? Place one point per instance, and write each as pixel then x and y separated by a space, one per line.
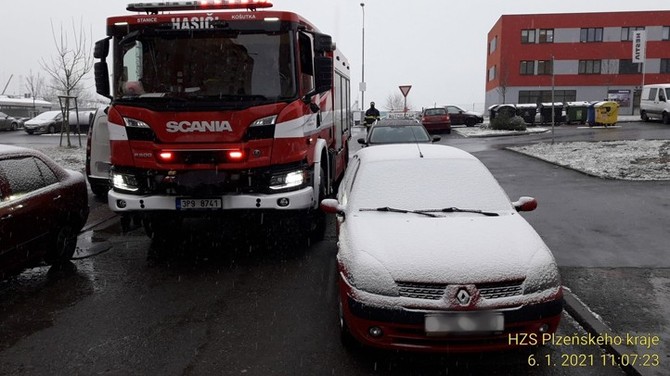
pixel 214 305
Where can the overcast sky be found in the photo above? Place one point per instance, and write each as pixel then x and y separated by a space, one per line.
pixel 438 47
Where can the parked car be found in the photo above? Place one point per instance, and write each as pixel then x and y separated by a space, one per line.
pixel 52 121
pixel 98 157
pixel 42 209
pixel 433 256
pixel 458 116
pixel 393 131
pixel 436 120
pixel 8 123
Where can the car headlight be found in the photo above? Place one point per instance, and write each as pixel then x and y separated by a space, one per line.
pixel 542 273
pixel 366 273
pixel 287 180
pixel 124 182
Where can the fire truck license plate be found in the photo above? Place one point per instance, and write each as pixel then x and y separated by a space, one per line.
pixel 199 203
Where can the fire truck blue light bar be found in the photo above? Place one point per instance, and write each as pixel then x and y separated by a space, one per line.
pixel 198 5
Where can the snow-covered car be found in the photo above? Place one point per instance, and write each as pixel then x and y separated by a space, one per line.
pixel 433 255
pixel 42 209
pixel 394 131
pixel 52 121
pixel 459 116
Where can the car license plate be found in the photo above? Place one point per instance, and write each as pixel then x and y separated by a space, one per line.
pixel 464 322
pixel 199 203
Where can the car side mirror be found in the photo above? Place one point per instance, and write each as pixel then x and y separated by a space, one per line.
pixel 361 141
pixel 331 206
pixel 525 203
pixel 436 138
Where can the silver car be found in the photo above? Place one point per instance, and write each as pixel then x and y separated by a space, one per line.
pixel 8 123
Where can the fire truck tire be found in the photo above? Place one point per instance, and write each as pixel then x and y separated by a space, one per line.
pixel 318 226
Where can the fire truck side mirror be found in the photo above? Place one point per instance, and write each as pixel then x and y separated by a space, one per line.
pixel 101 73
pixel 101 49
pixel 323 73
pixel 323 43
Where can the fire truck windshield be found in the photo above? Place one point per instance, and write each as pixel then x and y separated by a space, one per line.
pixel 206 67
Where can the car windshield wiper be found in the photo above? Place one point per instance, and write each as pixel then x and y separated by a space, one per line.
pixel 459 210
pixel 396 210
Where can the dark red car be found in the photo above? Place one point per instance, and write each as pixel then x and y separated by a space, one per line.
pixel 436 120
pixel 42 209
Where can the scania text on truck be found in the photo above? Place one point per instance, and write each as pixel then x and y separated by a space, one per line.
pixel 222 108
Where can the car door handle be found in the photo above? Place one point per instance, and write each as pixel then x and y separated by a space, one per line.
pixel 57 198
pixel 6 217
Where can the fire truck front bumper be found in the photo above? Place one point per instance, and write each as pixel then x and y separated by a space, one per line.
pixel 293 200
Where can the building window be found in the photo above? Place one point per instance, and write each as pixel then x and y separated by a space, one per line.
pixel 492 73
pixel 589 66
pixel 493 44
pixel 665 65
pixel 544 96
pixel 546 36
pixel 626 66
pixel 591 34
pixel 666 33
pixel 544 67
pixel 528 36
pixel 527 67
pixel 627 32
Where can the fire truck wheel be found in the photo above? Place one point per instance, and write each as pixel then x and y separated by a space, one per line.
pixel 318 227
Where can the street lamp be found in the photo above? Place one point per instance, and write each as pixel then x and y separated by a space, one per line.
pixel 362 85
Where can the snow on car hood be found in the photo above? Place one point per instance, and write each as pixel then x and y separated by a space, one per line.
pixel 456 248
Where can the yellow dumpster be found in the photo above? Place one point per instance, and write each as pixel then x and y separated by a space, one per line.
pixel 607 113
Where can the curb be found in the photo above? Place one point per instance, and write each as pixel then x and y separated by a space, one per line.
pixel 585 317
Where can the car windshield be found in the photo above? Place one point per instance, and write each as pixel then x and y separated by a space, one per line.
pixel 397 134
pixel 425 183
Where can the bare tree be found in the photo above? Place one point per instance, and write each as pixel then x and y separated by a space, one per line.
pixel 502 85
pixel 35 86
pixel 72 61
pixel 396 102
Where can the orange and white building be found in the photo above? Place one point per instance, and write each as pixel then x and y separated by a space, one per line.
pixel 577 57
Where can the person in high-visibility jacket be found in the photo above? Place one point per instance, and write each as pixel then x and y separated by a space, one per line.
pixel 371 115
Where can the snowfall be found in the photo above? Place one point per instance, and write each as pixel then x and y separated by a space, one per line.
pixel 624 160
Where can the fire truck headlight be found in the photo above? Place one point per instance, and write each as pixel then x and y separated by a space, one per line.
pixel 286 180
pixel 134 123
pixel 124 182
pixel 270 120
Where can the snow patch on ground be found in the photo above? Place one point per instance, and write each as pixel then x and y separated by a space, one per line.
pixel 640 160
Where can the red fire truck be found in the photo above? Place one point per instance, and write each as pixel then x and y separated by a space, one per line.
pixel 221 108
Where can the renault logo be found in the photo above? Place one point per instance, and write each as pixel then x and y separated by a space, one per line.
pixel 463 297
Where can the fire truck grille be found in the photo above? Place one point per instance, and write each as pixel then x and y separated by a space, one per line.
pixel 208 182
